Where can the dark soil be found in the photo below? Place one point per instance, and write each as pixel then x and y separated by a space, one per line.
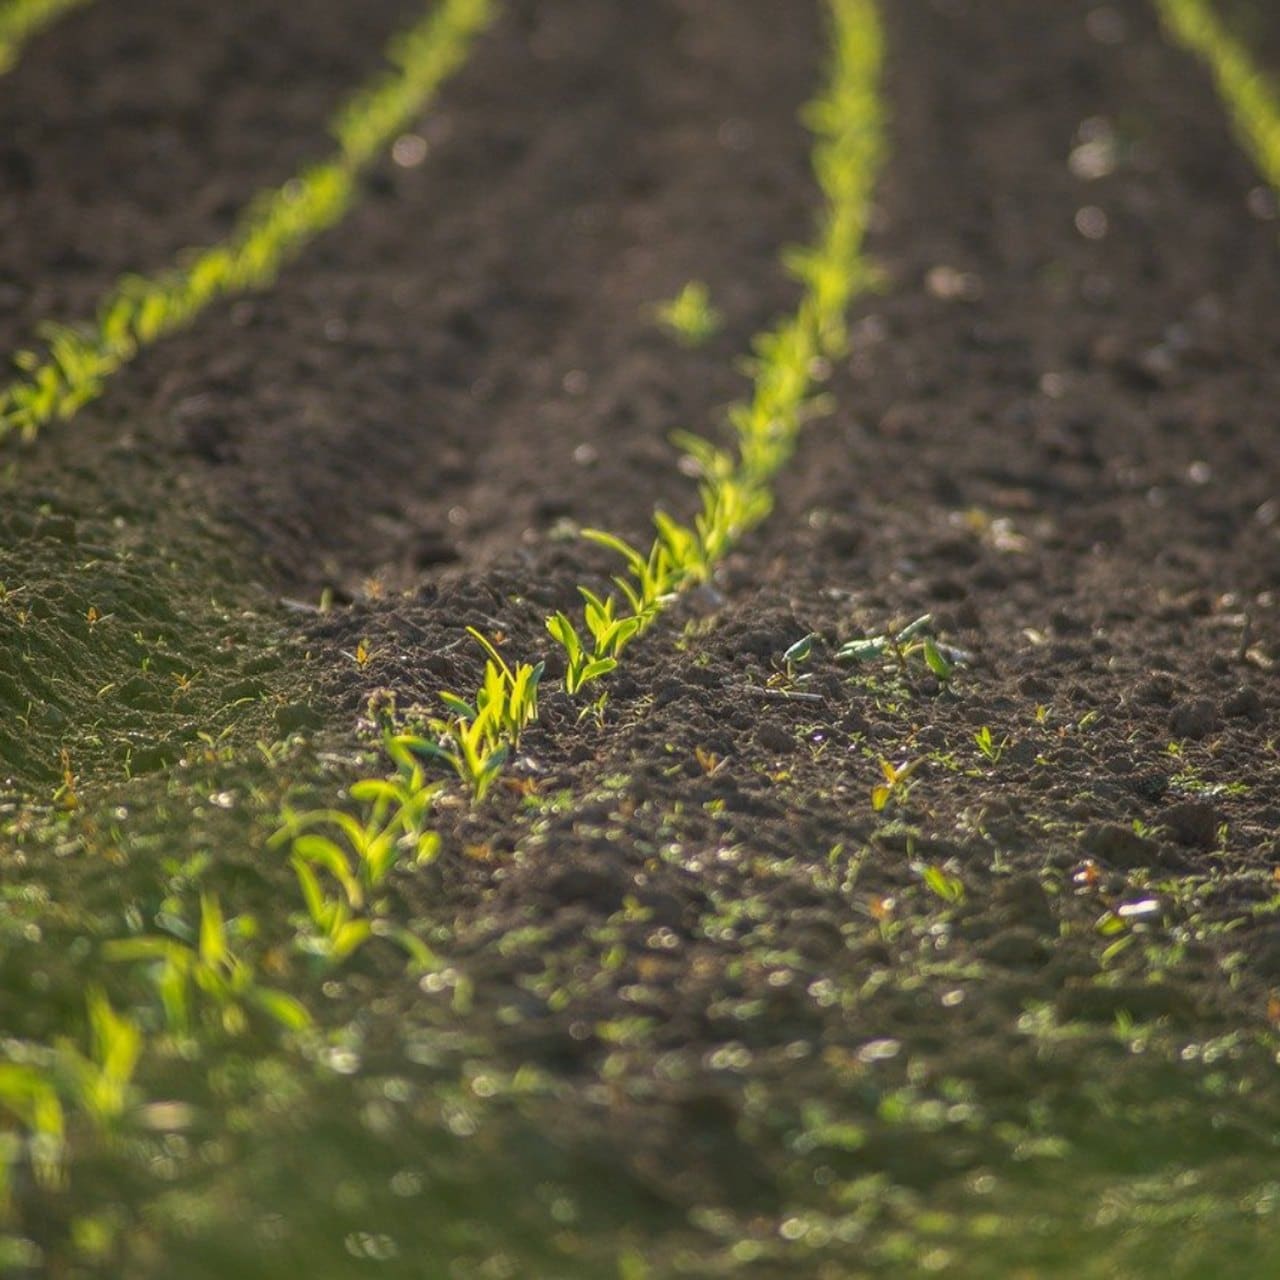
pixel 111 158
pixel 472 356
pixel 723 1010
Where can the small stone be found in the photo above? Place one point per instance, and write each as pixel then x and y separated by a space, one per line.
pixel 774 738
pixel 1120 846
pixel 1193 823
pixel 1157 688
pixel 1016 948
pixel 1195 718
pixel 1245 703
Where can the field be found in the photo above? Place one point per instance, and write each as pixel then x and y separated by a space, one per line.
pixel 639 640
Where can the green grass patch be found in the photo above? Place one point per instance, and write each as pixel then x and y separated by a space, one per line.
pixel 116 656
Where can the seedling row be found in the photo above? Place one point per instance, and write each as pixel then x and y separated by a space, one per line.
pixel 342 860
pixel 78 360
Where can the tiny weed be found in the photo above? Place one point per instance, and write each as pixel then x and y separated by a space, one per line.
pixel 689 317
pixel 942 884
pixel 905 650
pixel 897 784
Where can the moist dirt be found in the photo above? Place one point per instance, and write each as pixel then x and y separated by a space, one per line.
pixel 717 995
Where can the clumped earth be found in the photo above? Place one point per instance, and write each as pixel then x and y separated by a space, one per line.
pixel 827 968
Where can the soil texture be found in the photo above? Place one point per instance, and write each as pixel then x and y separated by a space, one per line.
pixel 831 970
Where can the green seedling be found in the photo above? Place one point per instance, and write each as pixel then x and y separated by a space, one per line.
pixel 28 1094
pixel 654 578
pixel 608 633
pixel 469 745
pixel 902 649
pixel 987 744
pixel 689 316
pixel 897 784
pixel 476 739
pixel 337 932
pixel 512 695
pixel 797 655
pixel 210 972
pixel 942 884
pixel 101 1080
pixel 785 682
pixel 341 859
pixel 360 852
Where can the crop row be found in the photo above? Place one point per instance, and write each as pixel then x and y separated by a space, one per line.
pixel 735 485
pixel 139 310
pixel 210 986
pixel 476 734
pixel 1250 96
pixel 207 984
pixel 22 19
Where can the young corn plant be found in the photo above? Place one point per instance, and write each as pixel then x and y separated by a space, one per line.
pixel 341 859
pixel 651 579
pixel 942 884
pixel 905 649
pixel 101 1081
pixel 210 977
pixel 30 1099
pixel 608 634
pixel 788 679
pixel 50 1083
pixel 476 739
pixel 898 782
pixel 986 743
